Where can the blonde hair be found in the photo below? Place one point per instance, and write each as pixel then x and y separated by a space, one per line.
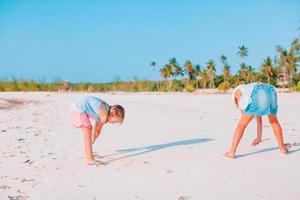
pixel 117 111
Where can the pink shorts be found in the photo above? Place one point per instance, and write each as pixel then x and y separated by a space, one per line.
pixel 80 119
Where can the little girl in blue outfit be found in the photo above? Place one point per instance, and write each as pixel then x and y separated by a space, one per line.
pixel 256 99
pixel 90 107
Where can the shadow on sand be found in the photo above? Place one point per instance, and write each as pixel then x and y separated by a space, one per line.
pixel 147 149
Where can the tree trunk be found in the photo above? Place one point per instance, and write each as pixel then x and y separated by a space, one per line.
pixel 166 84
pixel 291 80
pixel 212 82
pixel 169 85
pixel 187 83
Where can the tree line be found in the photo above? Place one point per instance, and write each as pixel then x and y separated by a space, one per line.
pixel 281 71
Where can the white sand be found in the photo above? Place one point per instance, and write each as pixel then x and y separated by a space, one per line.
pixel 169 147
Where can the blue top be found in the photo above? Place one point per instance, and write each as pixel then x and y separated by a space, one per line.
pixel 246 91
pixel 89 105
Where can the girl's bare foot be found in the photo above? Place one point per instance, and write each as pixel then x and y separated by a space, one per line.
pixel 90 162
pixel 229 154
pixel 283 150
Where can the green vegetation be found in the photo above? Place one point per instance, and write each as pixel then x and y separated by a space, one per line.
pixel 281 72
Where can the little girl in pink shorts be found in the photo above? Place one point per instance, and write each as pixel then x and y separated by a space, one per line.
pixel 85 108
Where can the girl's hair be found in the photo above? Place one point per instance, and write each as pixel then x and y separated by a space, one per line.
pixel 118 111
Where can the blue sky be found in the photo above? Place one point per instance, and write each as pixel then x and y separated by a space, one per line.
pixel 97 41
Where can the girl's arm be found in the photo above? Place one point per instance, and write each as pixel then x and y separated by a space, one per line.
pixel 258 138
pixel 99 124
pixel 97 130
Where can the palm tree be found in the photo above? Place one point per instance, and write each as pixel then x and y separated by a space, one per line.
pixel 197 68
pixel 211 68
pixel 288 59
pixel 243 52
pixel 226 73
pixel 204 78
pixel 173 61
pixel 223 59
pixel 176 69
pixel 244 72
pixel 251 72
pixel 153 64
pixel 189 70
pixel 226 68
pixel 197 71
pixel 166 73
pixel 267 68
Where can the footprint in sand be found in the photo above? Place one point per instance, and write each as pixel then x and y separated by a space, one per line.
pixel 4 187
pixel 21 140
pixel 290 145
pixel 18 197
pixel 29 162
pixel 184 198
pixel 26 180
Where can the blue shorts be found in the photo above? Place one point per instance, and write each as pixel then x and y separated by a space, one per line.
pixel 263 101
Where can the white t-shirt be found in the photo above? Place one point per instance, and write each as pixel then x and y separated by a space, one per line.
pixel 246 90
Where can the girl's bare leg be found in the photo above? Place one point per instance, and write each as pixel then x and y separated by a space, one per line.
pixel 244 121
pixel 258 138
pixel 277 132
pixel 87 139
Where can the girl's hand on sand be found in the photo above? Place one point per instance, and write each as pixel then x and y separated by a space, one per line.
pixel 256 141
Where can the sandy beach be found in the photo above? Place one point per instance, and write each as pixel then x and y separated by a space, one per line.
pixel 170 147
